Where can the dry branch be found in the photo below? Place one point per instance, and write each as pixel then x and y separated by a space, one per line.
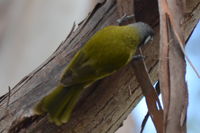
pixel 107 103
pixel 151 96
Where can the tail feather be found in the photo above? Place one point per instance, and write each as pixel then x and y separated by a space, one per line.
pixel 60 103
pixel 65 115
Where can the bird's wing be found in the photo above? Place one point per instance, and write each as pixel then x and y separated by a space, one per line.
pixel 80 70
pixel 98 58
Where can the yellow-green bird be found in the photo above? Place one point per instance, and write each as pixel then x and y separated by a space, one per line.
pixel 107 51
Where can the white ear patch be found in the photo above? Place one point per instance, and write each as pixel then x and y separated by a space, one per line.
pixel 149 38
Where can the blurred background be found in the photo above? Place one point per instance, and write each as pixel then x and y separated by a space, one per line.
pixel 30 31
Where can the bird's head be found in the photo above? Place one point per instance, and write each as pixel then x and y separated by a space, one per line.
pixel 144 30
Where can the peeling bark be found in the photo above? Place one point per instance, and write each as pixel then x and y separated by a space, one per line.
pixel 104 105
pixel 172 65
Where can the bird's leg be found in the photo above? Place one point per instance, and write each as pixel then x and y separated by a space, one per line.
pixel 124 19
pixel 138 57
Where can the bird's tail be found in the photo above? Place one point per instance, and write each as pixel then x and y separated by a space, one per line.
pixel 60 103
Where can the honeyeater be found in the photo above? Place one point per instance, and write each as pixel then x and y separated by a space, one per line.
pixel 106 51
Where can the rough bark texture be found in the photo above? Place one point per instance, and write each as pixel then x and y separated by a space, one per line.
pixel 107 103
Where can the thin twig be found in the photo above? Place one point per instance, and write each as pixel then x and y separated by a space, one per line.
pixel 9 94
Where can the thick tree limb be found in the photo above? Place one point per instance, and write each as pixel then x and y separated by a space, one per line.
pixel 107 103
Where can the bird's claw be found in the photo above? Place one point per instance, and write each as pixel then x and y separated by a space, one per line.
pixel 125 18
pixel 138 57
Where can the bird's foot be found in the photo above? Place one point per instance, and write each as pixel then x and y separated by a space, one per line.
pixel 125 18
pixel 138 57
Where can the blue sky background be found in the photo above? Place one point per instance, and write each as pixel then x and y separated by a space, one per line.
pixel 193 120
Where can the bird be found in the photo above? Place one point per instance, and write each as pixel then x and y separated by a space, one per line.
pixel 108 50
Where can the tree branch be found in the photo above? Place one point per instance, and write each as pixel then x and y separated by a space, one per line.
pixel 108 102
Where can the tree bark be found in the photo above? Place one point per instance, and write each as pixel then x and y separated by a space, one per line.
pixel 104 105
pixel 172 66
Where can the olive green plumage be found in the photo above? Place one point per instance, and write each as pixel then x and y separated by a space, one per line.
pixel 107 51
